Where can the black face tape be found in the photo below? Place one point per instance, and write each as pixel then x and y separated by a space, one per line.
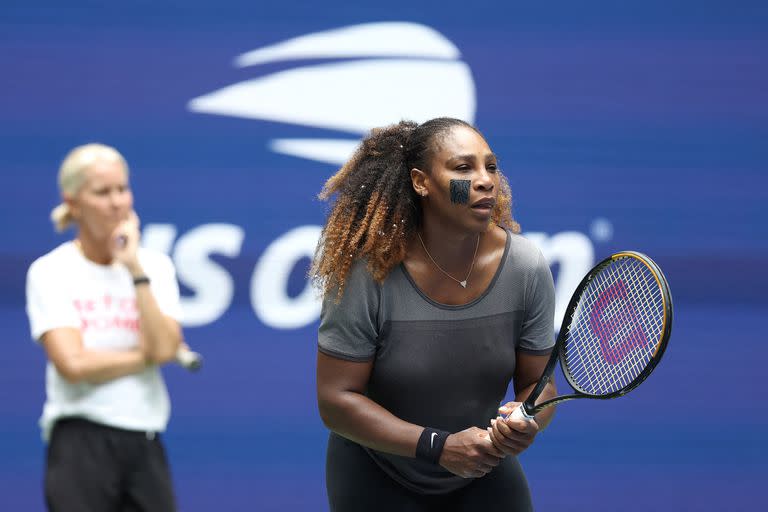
pixel 460 191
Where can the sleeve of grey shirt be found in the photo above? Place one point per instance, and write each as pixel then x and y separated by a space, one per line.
pixel 537 333
pixel 349 328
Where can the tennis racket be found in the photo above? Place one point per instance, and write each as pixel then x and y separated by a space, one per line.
pixel 188 359
pixel 613 334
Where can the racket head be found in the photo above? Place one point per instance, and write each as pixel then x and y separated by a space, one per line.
pixel 616 327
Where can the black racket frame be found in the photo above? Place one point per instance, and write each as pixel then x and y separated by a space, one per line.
pixel 531 408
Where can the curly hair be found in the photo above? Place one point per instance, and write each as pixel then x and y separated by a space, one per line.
pixel 376 210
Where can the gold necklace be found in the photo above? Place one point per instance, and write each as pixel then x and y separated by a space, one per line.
pixel 462 283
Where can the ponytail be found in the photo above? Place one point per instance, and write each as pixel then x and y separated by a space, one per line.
pixel 61 217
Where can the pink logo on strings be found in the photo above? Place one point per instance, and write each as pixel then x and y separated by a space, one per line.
pixel 613 313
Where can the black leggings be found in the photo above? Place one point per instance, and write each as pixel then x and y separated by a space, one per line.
pixel 355 482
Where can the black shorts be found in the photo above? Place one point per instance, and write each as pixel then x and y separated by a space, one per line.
pixel 355 482
pixel 92 467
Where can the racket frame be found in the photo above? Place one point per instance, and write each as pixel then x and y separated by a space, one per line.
pixel 529 408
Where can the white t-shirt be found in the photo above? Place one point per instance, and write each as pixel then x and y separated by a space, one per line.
pixel 65 289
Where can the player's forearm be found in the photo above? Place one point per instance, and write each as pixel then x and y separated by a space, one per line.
pixel 162 335
pixel 362 420
pixel 544 417
pixel 96 366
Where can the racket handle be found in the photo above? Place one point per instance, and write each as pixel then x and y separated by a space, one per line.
pixel 188 359
pixel 520 414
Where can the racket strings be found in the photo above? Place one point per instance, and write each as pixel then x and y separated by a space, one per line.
pixel 599 350
pixel 623 325
pixel 615 330
pixel 593 371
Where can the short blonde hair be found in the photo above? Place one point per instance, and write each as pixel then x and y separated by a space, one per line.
pixel 72 176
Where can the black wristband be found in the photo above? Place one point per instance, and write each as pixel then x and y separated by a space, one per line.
pixel 140 280
pixel 430 445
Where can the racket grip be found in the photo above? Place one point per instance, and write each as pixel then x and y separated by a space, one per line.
pixel 188 359
pixel 520 414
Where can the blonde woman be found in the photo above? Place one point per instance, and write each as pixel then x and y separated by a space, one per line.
pixel 107 314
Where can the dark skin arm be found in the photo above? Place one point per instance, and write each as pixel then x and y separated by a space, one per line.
pixel 514 436
pixel 347 411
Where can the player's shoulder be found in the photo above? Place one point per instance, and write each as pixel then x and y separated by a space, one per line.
pixel 523 247
pixel 358 282
pixel 360 275
pixel 524 254
pixel 54 260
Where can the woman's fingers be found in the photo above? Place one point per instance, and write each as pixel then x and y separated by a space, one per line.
pixel 507 439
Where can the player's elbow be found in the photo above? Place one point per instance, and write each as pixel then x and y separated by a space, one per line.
pixel 163 346
pixel 332 407
pixel 550 391
pixel 165 353
pixel 71 370
pixel 326 408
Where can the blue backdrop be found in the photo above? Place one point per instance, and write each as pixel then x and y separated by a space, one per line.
pixel 619 125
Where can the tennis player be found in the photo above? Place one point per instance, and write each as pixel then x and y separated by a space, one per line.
pixel 432 304
pixel 106 313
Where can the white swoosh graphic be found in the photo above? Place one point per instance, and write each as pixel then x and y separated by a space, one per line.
pixel 392 39
pixel 350 96
pixel 330 151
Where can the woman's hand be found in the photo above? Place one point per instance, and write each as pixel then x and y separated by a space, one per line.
pixel 470 454
pixel 512 436
pixel 125 243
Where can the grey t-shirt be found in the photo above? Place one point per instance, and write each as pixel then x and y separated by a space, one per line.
pixel 437 365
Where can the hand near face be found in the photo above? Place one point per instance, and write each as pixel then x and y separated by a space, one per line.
pixel 124 241
pixel 512 436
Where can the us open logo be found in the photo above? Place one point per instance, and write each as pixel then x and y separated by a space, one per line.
pixel 412 71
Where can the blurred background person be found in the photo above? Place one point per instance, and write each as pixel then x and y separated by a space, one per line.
pixel 107 314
